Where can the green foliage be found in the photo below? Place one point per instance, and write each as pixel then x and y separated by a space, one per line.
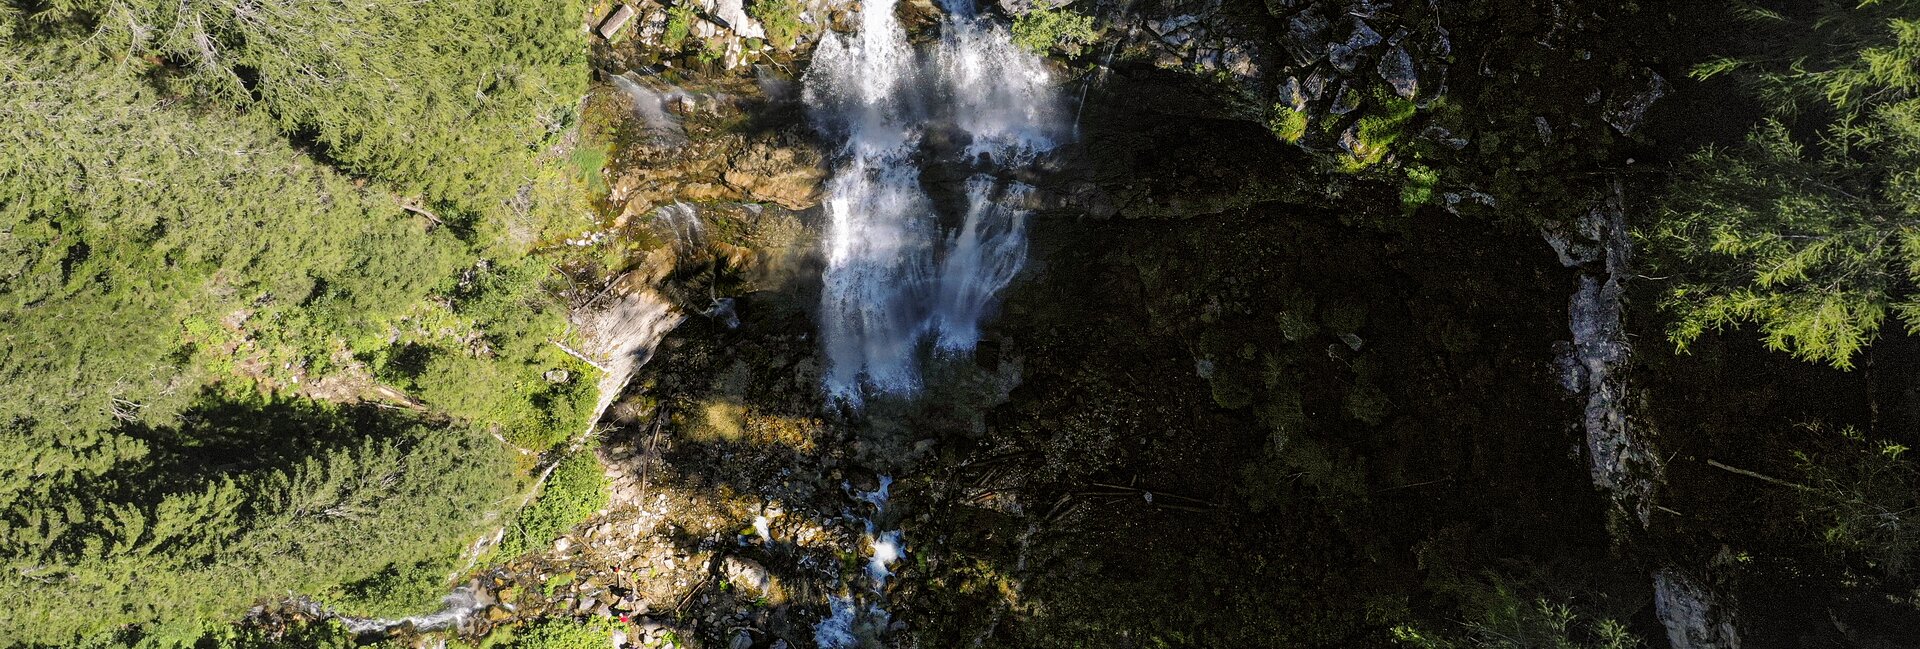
pixel 242 257
pixel 564 634
pixel 680 19
pixel 439 99
pixel 249 498
pixel 173 269
pixel 1864 498
pixel 398 590
pixel 1810 231
pixel 781 18
pixel 1518 624
pixel 326 634
pixel 575 491
pixel 1765 235
pixel 1288 124
pixel 1511 611
pixel 1041 30
pixel 1417 189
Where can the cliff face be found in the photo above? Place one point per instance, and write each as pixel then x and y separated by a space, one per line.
pixel 1324 337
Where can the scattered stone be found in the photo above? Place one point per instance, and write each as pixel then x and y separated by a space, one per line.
pixel 558 376
pixel 1345 100
pixel 1396 68
pixel 741 640
pixel 1346 56
pixel 1293 95
pixel 615 21
pixel 1693 616
pixel 1305 35
pixel 747 574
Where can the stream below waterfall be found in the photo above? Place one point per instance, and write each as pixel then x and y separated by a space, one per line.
pixel 897 286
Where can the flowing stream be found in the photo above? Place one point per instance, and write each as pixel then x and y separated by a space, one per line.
pixel 899 286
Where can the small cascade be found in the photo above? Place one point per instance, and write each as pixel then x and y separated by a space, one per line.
pixel 456 609
pixel 983 258
pixel 651 105
pixel 858 615
pixel 680 221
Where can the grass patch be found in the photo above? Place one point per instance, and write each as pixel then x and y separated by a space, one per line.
pixel 1385 121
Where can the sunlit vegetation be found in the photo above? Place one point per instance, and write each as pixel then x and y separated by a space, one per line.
pixel 213 226
pixel 1810 230
pixel 781 19
pixel 575 490
pixel 243 497
pixel 1043 29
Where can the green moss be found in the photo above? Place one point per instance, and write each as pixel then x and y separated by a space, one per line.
pixel 1288 124
pixel 1417 189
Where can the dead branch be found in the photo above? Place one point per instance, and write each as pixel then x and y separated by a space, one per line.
pixel 413 205
pixel 1758 476
pixel 583 357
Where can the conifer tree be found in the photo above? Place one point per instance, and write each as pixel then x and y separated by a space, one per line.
pixel 1810 230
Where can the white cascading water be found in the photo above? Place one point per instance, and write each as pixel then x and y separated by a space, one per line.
pixel 893 280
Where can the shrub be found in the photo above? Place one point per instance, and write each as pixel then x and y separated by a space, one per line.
pixel 1044 29
pixel 575 491
pixel 679 25
pixel 564 634
pixel 781 18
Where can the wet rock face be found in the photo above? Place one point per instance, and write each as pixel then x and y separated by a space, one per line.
pixel 1621 459
pixel 788 175
pixel 1694 616
pixel 684 148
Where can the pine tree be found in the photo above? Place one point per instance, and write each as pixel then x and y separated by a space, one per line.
pixel 1810 230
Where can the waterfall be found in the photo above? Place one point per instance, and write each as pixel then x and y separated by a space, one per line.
pixel 896 286
pixel 893 281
